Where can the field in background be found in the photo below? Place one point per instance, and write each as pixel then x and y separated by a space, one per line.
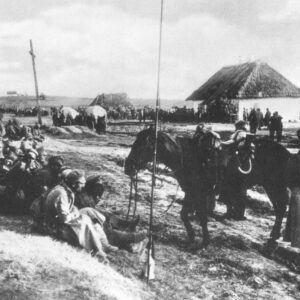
pixel 28 101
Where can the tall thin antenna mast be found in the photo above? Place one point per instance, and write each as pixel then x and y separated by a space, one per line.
pixel 35 83
pixel 150 246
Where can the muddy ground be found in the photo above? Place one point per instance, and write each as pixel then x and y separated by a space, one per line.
pixel 230 268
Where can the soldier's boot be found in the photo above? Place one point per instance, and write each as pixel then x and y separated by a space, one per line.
pixel 123 239
pixel 129 225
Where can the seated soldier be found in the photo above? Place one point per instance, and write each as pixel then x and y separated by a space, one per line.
pixel 66 222
pixel 30 162
pixel 27 143
pixel 11 152
pixel 18 192
pixel 113 226
pixel 5 165
pixel 64 172
pixel 55 165
pixel 56 208
pixel 47 177
pixel 90 197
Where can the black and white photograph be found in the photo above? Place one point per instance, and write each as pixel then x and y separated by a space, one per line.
pixel 149 149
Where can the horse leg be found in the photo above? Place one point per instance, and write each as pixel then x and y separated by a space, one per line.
pixel 287 234
pixel 225 198
pixel 211 201
pixel 202 214
pixel 240 197
pixel 279 197
pixel 185 218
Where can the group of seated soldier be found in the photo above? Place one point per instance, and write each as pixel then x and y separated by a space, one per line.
pixel 70 211
pixel 20 161
pixel 62 202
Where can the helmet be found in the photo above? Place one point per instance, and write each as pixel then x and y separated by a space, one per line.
pixel 31 153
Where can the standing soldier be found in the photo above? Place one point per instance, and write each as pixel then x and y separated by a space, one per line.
pixel 276 127
pixel 267 118
pixel 245 115
pixel 260 118
pixel 253 121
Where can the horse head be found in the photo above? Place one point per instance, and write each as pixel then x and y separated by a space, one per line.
pixel 141 152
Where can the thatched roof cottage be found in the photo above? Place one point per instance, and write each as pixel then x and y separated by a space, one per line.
pixel 113 100
pixel 253 84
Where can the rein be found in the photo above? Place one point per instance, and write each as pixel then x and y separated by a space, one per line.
pixel 133 182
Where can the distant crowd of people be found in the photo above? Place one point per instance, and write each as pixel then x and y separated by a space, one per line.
pixel 26 111
pixel 257 120
pixel 219 111
pixel 174 114
pixel 147 113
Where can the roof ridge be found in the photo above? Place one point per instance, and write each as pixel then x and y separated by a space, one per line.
pixel 252 75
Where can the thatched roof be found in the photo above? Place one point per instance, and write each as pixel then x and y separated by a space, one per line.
pixel 111 100
pixel 245 81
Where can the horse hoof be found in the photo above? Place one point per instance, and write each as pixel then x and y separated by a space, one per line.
pixel 190 239
pixel 204 244
pixel 269 247
pixel 227 216
pixel 271 243
pixel 194 246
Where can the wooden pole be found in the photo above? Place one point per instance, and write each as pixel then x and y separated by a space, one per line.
pixel 150 244
pixel 35 83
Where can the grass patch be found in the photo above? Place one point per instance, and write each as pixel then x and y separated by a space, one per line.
pixel 41 268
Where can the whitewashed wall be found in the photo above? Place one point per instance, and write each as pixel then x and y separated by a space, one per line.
pixel 196 104
pixel 288 108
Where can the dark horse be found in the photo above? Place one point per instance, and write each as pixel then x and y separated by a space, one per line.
pixel 197 164
pixel 270 170
pixel 192 168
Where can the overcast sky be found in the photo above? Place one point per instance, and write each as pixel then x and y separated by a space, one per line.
pixel 84 48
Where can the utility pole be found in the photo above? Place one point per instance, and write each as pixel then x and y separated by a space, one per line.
pixel 36 84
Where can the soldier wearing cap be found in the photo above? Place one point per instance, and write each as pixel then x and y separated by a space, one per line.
pixel 30 161
pixel 239 134
pixel 47 177
pixel 65 221
pixel 18 188
pixel 240 131
pixel 200 128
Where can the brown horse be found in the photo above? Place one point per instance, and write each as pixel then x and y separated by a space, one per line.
pixel 192 168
